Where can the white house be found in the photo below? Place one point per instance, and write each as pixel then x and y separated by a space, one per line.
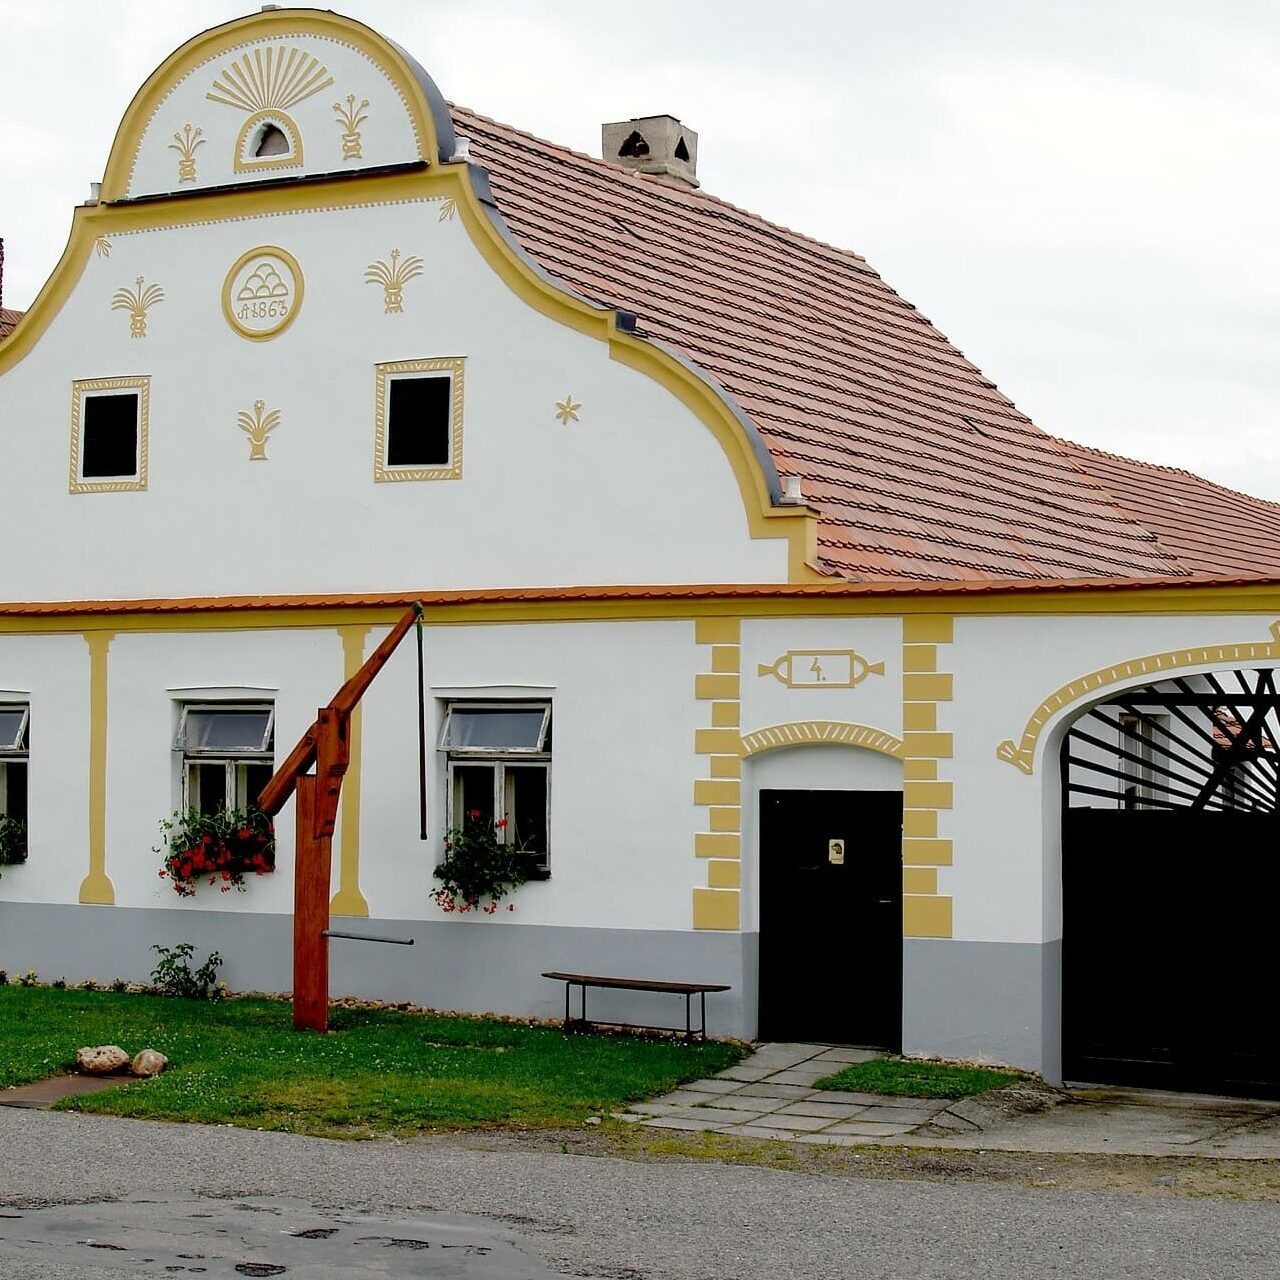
pixel 789 611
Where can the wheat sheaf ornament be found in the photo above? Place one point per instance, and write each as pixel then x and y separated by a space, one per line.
pixel 393 277
pixel 137 302
pixel 266 82
pixel 258 425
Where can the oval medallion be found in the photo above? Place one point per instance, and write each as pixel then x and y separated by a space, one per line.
pixel 262 293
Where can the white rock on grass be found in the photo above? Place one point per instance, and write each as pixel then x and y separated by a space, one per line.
pixel 150 1062
pixel 101 1060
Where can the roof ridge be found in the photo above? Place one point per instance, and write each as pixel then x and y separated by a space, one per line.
pixel 1164 466
pixel 665 189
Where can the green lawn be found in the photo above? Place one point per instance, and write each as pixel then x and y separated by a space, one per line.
pixel 379 1071
pixel 901 1077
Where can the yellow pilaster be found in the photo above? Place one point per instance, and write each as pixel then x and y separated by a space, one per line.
pixel 96 887
pixel 926 796
pixel 718 791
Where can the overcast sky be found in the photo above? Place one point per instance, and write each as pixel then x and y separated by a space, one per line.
pixel 1080 193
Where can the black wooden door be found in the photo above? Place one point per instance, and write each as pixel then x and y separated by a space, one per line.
pixel 831 917
pixel 1169 949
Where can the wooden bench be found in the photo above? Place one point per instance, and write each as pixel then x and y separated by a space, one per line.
pixel 686 989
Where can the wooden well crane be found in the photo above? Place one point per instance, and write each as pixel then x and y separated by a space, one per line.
pixel 326 745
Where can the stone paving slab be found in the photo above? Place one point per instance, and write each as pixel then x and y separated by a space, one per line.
pixel 44 1093
pixel 820 1107
pixel 771 1095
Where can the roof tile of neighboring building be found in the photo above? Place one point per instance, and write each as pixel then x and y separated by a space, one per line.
pixel 1209 528
pixel 921 468
pixel 8 321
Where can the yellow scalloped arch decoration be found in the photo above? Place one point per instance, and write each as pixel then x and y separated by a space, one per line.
pixel 821 733
pixel 1022 754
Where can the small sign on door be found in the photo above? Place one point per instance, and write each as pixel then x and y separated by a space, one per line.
pixel 835 852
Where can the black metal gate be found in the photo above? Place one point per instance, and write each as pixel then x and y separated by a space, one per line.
pixel 1171 882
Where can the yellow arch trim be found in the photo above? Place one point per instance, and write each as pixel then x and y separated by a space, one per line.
pixel 1022 754
pixel 274 24
pixel 798 527
pixel 821 733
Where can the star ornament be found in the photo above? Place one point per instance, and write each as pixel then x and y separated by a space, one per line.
pixel 567 410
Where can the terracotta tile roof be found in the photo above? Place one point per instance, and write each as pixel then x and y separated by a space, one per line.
pixel 9 321
pixel 921 468
pixel 738 596
pixel 1209 528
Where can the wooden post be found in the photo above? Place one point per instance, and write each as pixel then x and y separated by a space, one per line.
pixel 326 745
pixel 310 914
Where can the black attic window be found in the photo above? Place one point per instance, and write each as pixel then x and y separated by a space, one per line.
pixel 419 416
pixel 272 142
pixel 109 436
pixel 682 152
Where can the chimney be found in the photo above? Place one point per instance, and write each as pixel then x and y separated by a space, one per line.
pixel 658 145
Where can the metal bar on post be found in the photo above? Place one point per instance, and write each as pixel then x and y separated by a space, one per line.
pixel 367 937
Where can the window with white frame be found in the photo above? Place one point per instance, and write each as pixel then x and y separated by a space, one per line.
pixel 15 731
pixel 498 758
pixel 227 752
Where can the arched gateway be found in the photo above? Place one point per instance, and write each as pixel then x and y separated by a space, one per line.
pixel 1171 822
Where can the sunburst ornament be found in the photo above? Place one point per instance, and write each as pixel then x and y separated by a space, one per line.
pixel 258 425
pixel 567 410
pixel 137 302
pixel 266 82
pixel 393 277
pixel 102 247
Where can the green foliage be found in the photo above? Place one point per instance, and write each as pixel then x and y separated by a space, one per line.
pixel 119 984
pixel 224 847
pixel 380 1071
pixel 902 1077
pixel 13 841
pixel 29 979
pixel 478 865
pixel 173 975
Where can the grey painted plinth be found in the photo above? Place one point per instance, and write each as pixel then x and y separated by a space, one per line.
pixel 998 1001
pixel 477 966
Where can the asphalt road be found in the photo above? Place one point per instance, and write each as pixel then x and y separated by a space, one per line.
pixel 615 1219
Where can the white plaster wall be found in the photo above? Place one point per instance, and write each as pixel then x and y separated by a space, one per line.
pixel 1005 824
pixel 622 772
pixel 876 701
pixel 386 138
pixel 836 768
pixel 637 491
pixel 53 671
pixel 304 666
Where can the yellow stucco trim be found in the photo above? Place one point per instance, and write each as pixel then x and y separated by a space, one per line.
pixel 96 887
pixel 349 900
pixel 919 880
pixel 713 686
pixel 821 733
pixel 926 687
pixel 717 844
pixel 919 770
pixel 919 717
pixel 717 909
pixel 1022 754
pixel 935 745
pixel 926 916
pixel 919 657
pixel 717 791
pixel 927 795
pixel 921 851
pixel 726 874
pixel 725 766
pixel 919 823
pixel 928 629
pixel 725 659
pixel 725 715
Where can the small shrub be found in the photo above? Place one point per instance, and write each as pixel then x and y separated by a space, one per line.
pixel 4 978
pixel 119 984
pixel 89 985
pixel 29 979
pixel 59 983
pixel 173 975
pixel 13 841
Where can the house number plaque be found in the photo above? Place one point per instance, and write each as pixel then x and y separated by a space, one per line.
pixel 835 852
